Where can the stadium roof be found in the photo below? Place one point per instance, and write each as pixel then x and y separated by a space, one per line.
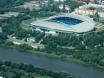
pixel 87 24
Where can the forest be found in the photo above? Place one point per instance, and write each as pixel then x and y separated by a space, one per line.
pixel 14 70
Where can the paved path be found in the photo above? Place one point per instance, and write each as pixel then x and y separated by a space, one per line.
pixel 34 45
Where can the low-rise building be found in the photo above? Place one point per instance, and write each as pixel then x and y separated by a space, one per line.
pixel 17 42
pixel 64 7
pixel 85 10
pixel 31 39
pixel 34 4
pixel 93 1
pixel 1 77
pixel 101 12
pixel 8 15
pixel 51 32
pixel 91 9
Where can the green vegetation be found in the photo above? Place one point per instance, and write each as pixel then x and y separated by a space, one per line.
pixel 8 5
pixel 3 38
pixel 11 25
pixel 13 70
pixel 87 47
pixel 96 17
pixel 26 23
pixel 68 46
pixel 100 27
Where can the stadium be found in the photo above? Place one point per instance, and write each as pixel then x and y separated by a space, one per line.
pixel 66 23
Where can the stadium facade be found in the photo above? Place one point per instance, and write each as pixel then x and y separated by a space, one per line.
pixel 66 23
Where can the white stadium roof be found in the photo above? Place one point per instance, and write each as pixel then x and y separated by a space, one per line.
pixel 87 24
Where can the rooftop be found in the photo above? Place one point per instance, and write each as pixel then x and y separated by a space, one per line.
pixel 85 26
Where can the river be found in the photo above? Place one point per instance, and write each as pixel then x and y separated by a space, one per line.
pixel 13 55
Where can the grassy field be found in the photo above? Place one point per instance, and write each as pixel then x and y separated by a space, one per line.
pixel 100 27
pixel 26 23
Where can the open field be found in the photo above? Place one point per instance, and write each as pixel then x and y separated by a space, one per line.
pixel 26 23
pixel 100 27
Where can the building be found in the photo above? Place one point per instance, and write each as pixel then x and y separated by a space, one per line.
pixel 31 39
pixel 88 1
pixel 64 7
pixel 100 11
pixel 92 1
pixel 59 0
pixel 34 4
pixel 69 22
pixel 8 15
pixel 51 33
pixel 85 10
pixel 1 77
pixel 99 1
pixel 91 9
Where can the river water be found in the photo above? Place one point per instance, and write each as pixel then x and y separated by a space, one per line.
pixel 13 55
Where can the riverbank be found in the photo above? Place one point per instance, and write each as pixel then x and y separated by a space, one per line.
pixel 55 65
pixel 29 71
pixel 54 56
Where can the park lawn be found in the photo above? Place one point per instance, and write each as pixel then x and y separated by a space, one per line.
pixel 100 27
pixel 26 23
